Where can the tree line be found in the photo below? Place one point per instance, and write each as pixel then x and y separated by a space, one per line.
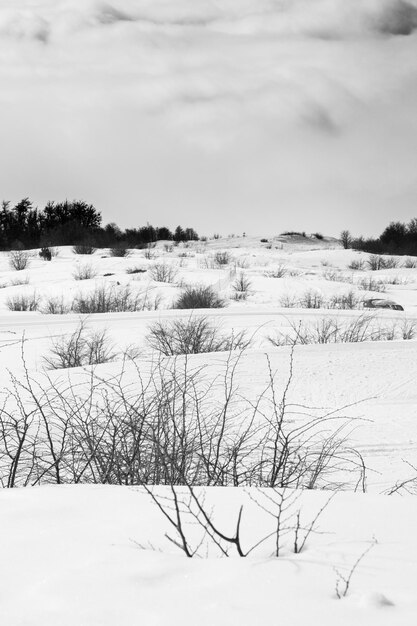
pixel 397 238
pixel 74 222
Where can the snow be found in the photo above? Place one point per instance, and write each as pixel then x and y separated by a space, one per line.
pixel 70 554
pixel 97 554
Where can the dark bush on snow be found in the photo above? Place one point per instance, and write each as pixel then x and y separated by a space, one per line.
pixel 199 297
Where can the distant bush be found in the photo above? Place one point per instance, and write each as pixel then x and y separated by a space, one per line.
pixel 119 251
pixel 264 240
pixel 390 263
pixel 335 330
pixel 312 300
pixel 19 260
pixel 222 258
pixel 163 272
pixel 377 262
pixel 369 284
pixel 279 271
pixel 241 287
pixel 84 272
pixel 410 263
pixel 318 236
pixel 149 253
pixel 199 297
pixel 23 302
pixel 349 300
pixel 346 239
pixel 21 280
pixel 45 253
pixel 335 276
pixel 242 262
pixel 357 265
pixel 55 306
pixel 83 248
pixel 112 299
pixel 194 335
pixel 136 270
pixel 83 347
pixel 294 232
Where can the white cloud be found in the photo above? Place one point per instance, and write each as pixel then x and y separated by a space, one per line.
pixel 292 112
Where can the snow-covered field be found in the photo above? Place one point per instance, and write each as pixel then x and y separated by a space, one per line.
pixel 97 554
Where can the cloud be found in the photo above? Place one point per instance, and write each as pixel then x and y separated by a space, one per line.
pixel 234 105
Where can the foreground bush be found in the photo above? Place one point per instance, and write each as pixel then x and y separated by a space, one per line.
pixel 169 423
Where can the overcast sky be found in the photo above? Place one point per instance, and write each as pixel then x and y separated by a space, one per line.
pixel 226 115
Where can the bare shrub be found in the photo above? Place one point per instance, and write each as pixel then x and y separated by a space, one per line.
pixel 120 250
pixel 390 262
pixel 83 248
pixel 346 239
pixel 136 270
pixel 279 271
pixel 335 330
pixel 357 265
pixel 149 253
pixel 395 280
pixel 45 253
pixel 288 302
pixel 55 306
pixel 241 287
pixel 312 300
pixel 193 335
pixel 343 581
pixel 332 275
pixel 82 347
pixel 113 299
pixel 222 258
pixel 377 262
pixel 168 247
pixel 199 297
pixel 408 329
pixel 19 260
pixel 23 280
pixel 84 272
pixel 410 263
pixel 242 262
pixel 326 330
pixel 163 272
pixel 369 284
pixel 187 508
pixel 349 300
pixel 23 302
pixel 171 424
